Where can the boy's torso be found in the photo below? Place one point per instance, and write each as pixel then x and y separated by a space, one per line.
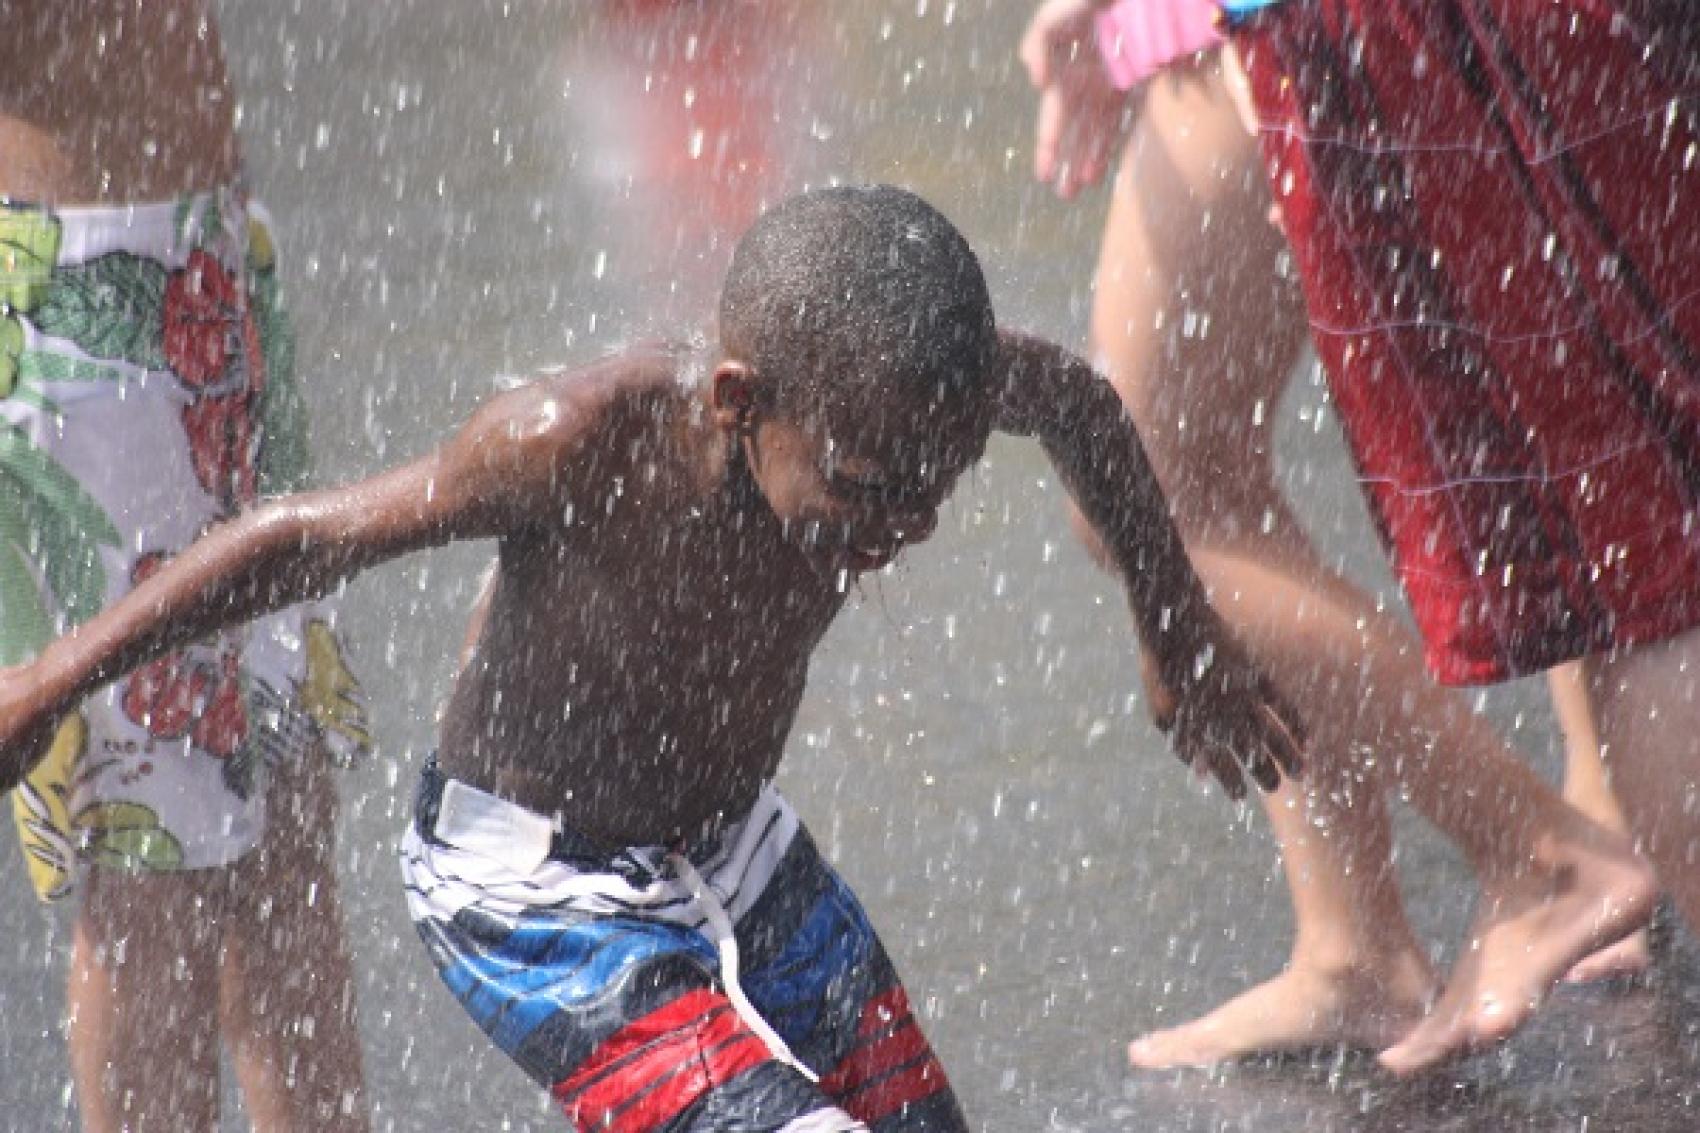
pixel 641 662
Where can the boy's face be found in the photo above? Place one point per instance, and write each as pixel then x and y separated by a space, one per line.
pixel 854 485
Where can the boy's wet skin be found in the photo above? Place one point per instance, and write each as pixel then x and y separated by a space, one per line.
pixel 673 541
pixel 672 547
pixel 651 629
pixel 646 640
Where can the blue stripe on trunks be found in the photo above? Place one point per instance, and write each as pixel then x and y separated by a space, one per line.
pixel 834 942
pixel 512 985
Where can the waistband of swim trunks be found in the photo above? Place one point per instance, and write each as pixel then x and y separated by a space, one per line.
pixel 565 845
pixel 96 224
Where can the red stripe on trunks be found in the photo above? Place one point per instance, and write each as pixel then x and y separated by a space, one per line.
pixel 885 1097
pixel 866 1082
pixel 883 1012
pixel 656 1067
pixel 879 1057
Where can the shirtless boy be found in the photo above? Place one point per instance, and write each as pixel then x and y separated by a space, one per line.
pixel 597 865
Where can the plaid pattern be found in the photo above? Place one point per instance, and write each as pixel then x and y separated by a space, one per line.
pixel 1492 204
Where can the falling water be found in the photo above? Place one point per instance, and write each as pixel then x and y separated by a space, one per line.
pixel 461 199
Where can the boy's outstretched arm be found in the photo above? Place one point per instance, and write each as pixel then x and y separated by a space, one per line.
pixel 1222 711
pixel 490 479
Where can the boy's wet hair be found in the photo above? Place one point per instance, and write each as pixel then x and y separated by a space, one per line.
pixel 840 293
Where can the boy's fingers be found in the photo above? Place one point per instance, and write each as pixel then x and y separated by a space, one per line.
pixel 1288 750
pixel 1260 764
pixel 1228 772
pixel 1198 760
pixel 1287 731
pixel 1210 758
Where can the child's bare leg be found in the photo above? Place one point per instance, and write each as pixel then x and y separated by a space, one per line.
pixel 1555 886
pixel 286 1000
pixel 1357 974
pixel 1201 355
pixel 1587 787
pixel 1644 699
pixel 1349 982
pixel 143 1002
pixel 1204 402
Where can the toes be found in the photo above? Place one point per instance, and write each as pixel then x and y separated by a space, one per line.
pixel 1429 1044
pixel 1159 1051
pixel 1626 959
pixel 1141 1055
pixel 1405 1058
pixel 1491 1021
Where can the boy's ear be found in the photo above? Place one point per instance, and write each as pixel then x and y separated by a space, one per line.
pixel 733 394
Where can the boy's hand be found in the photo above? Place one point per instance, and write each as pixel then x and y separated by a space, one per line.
pixel 1225 717
pixel 1224 714
pixel 25 731
pixel 1082 116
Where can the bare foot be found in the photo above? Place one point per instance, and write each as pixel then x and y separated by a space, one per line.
pixel 1631 956
pixel 1363 1006
pixel 1578 896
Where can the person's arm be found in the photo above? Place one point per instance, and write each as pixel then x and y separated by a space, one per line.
pixel 1222 710
pixel 1082 115
pixel 501 470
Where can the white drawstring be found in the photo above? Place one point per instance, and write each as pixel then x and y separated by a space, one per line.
pixel 720 931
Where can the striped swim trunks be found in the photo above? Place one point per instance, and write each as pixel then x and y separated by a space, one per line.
pixel 732 984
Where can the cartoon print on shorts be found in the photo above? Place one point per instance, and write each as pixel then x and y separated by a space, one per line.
pixel 186 693
pixel 88 305
pixel 29 245
pixel 48 526
pixel 41 808
pixel 215 325
pixel 212 345
pixel 126 835
pixel 330 694
pixel 205 335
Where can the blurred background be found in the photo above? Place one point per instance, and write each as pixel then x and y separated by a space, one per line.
pixel 470 190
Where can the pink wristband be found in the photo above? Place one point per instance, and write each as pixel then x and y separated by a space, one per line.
pixel 1140 37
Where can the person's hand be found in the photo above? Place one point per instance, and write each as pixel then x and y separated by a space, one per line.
pixel 25 730
pixel 1222 713
pixel 1082 116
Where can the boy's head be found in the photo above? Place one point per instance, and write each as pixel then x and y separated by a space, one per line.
pixel 857 294
pixel 858 344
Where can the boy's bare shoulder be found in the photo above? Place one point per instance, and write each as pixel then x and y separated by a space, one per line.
pixel 565 409
pixel 565 432
pixel 637 378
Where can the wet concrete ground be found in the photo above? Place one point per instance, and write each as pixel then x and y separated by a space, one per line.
pixel 972 750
